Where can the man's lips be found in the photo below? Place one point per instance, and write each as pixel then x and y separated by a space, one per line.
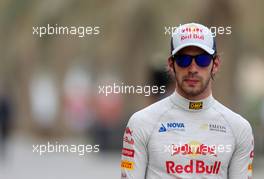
pixel 191 81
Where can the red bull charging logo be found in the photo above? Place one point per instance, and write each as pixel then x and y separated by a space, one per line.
pixel 193 148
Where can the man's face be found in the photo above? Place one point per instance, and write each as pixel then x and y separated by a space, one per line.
pixel 193 80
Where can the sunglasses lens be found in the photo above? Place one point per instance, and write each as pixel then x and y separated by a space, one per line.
pixel 203 60
pixel 183 60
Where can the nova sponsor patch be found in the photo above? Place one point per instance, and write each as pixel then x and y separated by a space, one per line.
pixel 172 126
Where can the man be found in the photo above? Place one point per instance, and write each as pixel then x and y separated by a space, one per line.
pixel 188 134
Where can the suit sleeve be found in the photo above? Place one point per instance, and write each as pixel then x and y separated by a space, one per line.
pixel 134 152
pixel 241 162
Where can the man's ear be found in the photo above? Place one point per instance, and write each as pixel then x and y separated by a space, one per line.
pixel 170 63
pixel 171 67
pixel 216 64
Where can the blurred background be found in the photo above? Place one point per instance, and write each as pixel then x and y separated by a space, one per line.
pixel 49 86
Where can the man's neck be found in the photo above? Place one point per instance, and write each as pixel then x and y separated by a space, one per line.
pixel 207 92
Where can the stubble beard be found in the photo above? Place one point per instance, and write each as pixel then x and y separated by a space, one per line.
pixel 192 91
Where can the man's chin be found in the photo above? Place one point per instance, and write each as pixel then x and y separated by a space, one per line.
pixel 192 91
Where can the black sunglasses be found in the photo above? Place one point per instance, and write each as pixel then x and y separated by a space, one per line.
pixel 202 60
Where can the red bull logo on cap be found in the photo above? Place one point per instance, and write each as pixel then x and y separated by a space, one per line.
pixel 192 32
pixel 192 29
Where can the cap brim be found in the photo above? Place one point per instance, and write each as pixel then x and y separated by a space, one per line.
pixel 205 48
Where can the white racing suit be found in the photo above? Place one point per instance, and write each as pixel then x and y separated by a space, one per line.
pixel 176 138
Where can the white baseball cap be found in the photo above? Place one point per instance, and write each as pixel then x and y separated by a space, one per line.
pixel 193 34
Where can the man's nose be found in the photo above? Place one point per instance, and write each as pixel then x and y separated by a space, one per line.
pixel 193 66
